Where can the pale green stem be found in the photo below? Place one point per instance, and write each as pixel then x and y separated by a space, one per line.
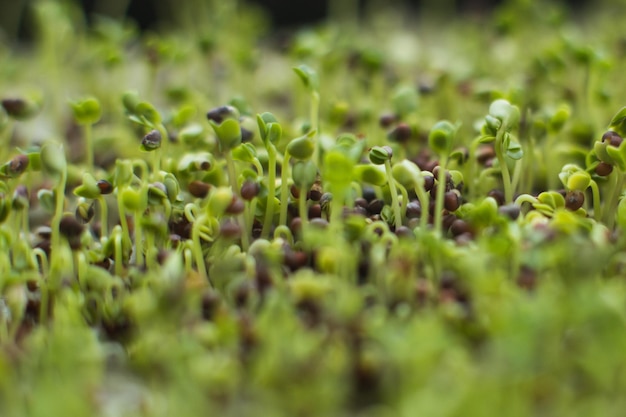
pixel 315 125
pixel 241 218
pixel 271 190
pixel 441 190
pixel 104 217
pixel 614 198
pixel 504 169
pixel 284 180
pixel 118 249
pixel 197 247
pixel 395 205
pixel 597 208
pixel 138 239
pixel 89 147
pixel 422 196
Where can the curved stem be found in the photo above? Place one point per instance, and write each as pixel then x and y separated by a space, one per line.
pixel 197 248
pixel 422 196
pixel 241 218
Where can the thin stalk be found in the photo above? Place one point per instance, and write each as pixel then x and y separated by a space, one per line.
pixel 118 253
pixel 597 208
pixel 441 190
pixel 197 248
pixel 422 196
pixel 394 195
pixel 241 218
pixel 504 169
pixel 618 186
pixel 55 240
pixel 139 259
pixel 89 146
pixel 271 190
pixel 104 217
pixel 284 180
pixel 315 125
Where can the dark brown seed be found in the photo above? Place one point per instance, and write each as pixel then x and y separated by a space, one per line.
pixel 413 210
pixel 14 106
pixel 497 195
pixel 70 227
pixel 404 232
pixel 603 169
pixel 485 153
pixel 375 206
pixel 218 114
pixel 246 135
pixel 295 225
pixel 527 278
pixel 315 211
pixel 152 140
pixel 460 226
pixel 451 200
pixel 361 202
pixel 236 206
pixel 105 187
pixel 400 133
pixel 18 164
pixel 230 229
pixel 613 138
pixel 295 191
pixel 198 188
pixel 429 182
pixel 250 189
pixel 574 200
pixel 512 211
pixel 387 120
pixel 295 260
pixel 447 221
pixel 316 192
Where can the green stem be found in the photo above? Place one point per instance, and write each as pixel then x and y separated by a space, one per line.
pixel 241 218
pixel 303 211
pixel 422 196
pixel 284 180
pixel 56 266
pixel 197 247
pixel 441 190
pixel 271 190
pixel 504 169
pixel 89 146
pixel 118 251
pixel 315 125
pixel 595 192
pixel 613 200
pixel 104 217
pixel 139 260
pixel 395 204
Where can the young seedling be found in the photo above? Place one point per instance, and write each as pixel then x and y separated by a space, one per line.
pixel 440 140
pixel 501 120
pixel 310 79
pixel 87 112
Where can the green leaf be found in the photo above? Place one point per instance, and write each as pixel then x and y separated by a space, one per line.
pixel 404 100
pixel 441 137
pixel 371 174
pixel 514 151
pixel 87 111
pixel 308 76
pixel 338 168
pixel 89 188
pixel 228 133
pixel 302 147
pixel 53 159
pixel 148 111
pixel 245 152
pixel 304 173
pixel 618 122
